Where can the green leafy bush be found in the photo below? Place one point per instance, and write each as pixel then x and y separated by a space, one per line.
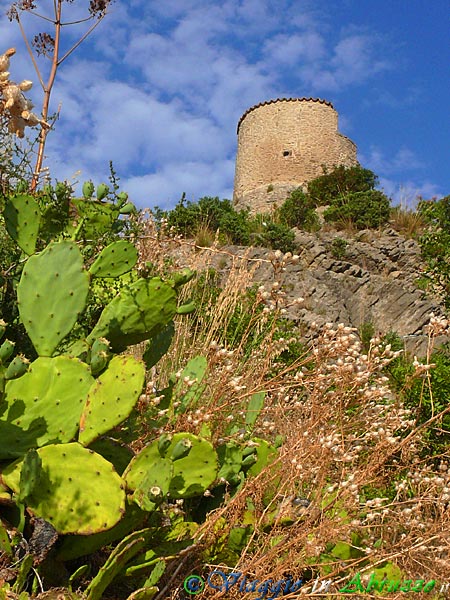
pixel 435 243
pixel 340 182
pixel 277 236
pixel 363 209
pixel 298 211
pixel 183 218
pixel 426 396
pixel 339 247
pixel 188 218
pixel 236 226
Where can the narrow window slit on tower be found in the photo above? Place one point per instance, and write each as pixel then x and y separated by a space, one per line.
pixel 287 152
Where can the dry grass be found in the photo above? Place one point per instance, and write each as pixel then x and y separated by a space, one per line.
pixel 349 447
pixel 407 222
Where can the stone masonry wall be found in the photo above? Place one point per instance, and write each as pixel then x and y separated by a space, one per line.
pixel 283 144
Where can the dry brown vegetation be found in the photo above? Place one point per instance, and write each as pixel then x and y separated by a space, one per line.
pixel 349 447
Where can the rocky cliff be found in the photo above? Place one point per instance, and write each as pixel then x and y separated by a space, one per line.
pixel 374 281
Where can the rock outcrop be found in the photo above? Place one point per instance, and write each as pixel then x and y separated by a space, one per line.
pixel 374 281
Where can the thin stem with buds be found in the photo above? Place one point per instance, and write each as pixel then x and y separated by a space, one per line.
pixel 95 11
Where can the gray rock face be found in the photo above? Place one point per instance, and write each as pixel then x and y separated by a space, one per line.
pixel 371 280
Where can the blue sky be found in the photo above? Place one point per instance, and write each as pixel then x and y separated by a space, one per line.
pixel 159 88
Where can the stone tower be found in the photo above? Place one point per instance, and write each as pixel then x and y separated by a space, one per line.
pixel 283 144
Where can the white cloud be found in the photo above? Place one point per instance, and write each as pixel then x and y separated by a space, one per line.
pixel 407 193
pixel 285 49
pixel 352 61
pixel 403 160
pixel 160 87
pixel 134 130
pixel 196 179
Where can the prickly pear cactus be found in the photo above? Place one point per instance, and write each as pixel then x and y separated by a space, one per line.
pixel 111 398
pixel 230 461
pixel 195 472
pixel 100 355
pixel 127 549
pixel 137 313
pixel 30 474
pixel 79 491
pixel 114 260
pixel 94 218
pixel 102 191
pixel 88 189
pixel 128 209
pixel 22 219
pixel 6 350
pixel 150 471
pixel 195 371
pixel 17 367
pixel 51 294
pixel 44 405
pixel 191 472
pixel 158 345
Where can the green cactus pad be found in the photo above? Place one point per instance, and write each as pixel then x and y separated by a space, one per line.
pixel 158 477
pixel 158 345
pixel 102 191
pixel 111 398
pixel 138 312
pixel 96 218
pixel 79 491
pixel 127 548
pixel 148 459
pixel 148 469
pixel 193 474
pixel 44 405
pixel 122 198
pixel 88 189
pixel 230 460
pixel 195 370
pixel 81 545
pixel 51 294
pixel 22 218
pixel 186 309
pixel 17 367
pixel 181 277
pixel 114 260
pixel 30 474
pixel 6 350
pixel 189 476
pixel 100 356
pixel 116 453
pixel 128 209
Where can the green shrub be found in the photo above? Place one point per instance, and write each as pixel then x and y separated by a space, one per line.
pixel 435 243
pixel 184 218
pixel 298 211
pixel 236 225
pixel 363 209
pixel 212 211
pixel 277 236
pixel 188 218
pixel 366 332
pixel 340 182
pixel 339 247
pixel 426 397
